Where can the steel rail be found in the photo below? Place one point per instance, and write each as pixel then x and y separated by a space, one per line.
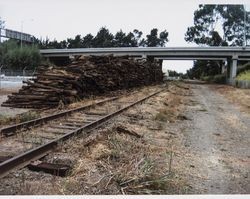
pixel 27 157
pixel 13 128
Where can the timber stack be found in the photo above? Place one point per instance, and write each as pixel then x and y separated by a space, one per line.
pixel 85 76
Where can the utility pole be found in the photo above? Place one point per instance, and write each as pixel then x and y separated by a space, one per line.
pixel 245 16
pixel 22 31
pixel 1 27
pixel 0 75
pixel 21 34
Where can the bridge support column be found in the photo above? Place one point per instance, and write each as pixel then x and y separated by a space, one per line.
pixel 144 56
pixel 233 70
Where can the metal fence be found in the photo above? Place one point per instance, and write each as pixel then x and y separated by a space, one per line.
pixel 14 78
pixel 8 72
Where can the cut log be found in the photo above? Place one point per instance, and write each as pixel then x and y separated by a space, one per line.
pixel 85 76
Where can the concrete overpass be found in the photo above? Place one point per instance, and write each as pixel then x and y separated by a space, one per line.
pixel 231 54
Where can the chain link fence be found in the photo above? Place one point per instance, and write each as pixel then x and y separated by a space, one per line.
pixel 14 78
pixel 11 73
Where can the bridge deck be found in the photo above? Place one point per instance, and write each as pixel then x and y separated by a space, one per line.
pixel 160 52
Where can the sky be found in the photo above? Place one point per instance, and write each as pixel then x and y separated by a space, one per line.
pixel 62 19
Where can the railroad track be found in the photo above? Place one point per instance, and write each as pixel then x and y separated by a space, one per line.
pixel 27 142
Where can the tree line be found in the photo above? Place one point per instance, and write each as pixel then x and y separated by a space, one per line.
pixel 104 38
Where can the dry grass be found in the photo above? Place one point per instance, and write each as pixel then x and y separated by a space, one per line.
pixel 170 110
pixel 238 96
pixel 122 164
pixel 164 115
pixel 113 162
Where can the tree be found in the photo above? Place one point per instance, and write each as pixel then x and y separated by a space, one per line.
pixel 87 41
pixel 75 43
pixel 120 39
pixel 103 38
pixel 173 73
pixel 1 27
pixel 153 40
pixel 63 44
pixel 133 39
pixel 207 17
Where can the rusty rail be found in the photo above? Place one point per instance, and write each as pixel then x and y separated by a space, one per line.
pixel 10 130
pixel 27 157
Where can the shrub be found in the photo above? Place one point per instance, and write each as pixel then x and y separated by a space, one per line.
pixel 220 79
pixel 207 78
pixel 14 57
pixel 243 68
pixel 244 76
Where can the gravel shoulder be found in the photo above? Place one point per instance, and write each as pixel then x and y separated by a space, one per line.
pixel 216 141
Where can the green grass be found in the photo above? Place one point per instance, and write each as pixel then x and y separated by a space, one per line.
pixel 4 119
pixel 244 76
pixel 31 115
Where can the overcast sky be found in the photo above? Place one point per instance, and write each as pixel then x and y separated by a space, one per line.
pixel 61 19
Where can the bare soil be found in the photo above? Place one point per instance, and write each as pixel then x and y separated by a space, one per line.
pixel 6 112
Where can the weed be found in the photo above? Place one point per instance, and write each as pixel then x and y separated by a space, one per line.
pixel 5 119
pixel 19 118
pixel 163 115
pixel 148 166
pixel 244 76
pixel 31 115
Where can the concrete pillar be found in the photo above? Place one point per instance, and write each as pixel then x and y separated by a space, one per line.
pixel 144 56
pixel 233 69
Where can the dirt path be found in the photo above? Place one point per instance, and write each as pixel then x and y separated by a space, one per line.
pixel 217 140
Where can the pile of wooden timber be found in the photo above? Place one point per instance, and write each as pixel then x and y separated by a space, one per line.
pixel 85 76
